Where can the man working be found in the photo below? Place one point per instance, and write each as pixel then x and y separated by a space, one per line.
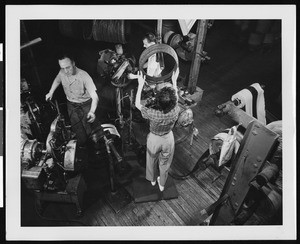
pixel 160 140
pixel 153 67
pixel 82 99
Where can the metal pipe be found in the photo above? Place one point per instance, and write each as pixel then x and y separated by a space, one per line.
pixel 235 113
pixel 30 43
pixel 159 41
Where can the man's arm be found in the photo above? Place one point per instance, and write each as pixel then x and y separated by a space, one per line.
pixel 91 88
pixel 55 84
pixel 91 114
pixel 141 81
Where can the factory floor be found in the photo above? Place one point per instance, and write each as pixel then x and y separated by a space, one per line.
pixel 233 66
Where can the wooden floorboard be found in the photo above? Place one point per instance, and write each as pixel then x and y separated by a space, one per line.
pixel 126 215
pixel 178 210
pixel 142 212
pixel 175 217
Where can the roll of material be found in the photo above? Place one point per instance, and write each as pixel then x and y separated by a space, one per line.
pixel 253 101
pixel 110 31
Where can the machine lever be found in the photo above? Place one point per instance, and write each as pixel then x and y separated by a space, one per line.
pixel 109 142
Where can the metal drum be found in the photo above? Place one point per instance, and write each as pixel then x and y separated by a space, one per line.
pixel 173 39
pixel 30 149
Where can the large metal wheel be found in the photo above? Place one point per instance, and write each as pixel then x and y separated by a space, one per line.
pixel 158 48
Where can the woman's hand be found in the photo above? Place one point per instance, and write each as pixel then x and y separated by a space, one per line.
pixel 175 76
pixel 141 78
pixel 132 76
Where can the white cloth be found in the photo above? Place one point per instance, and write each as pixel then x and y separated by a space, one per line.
pixel 226 144
pixel 245 97
pixel 230 145
pixel 153 67
pixel 260 104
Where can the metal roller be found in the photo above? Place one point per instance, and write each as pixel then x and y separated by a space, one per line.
pixel 173 39
pixel 30 150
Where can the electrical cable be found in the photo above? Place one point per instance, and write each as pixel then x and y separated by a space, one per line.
pixel 195 168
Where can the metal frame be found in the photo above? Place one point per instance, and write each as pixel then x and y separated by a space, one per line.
pixel 256 146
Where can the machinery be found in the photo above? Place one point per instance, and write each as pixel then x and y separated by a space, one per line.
pixel 35 116
pixel 115 66
pixel 254 181
pixel 108 133
pixel 52 169
pixel 55 159
pixel 184 44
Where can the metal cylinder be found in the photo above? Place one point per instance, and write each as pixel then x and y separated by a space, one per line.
pixel 173 39
pixel 268 174
pixel 30 150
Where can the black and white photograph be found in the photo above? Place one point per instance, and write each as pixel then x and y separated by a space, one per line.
pixel 178 123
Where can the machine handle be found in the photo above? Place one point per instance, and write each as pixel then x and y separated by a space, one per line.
pixel 114 150
pixel 109 142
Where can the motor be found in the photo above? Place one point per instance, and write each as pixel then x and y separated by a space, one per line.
pixel 49 166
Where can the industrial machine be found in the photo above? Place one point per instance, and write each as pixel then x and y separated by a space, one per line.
pixel 35 116
pixel 52 169
pixel 254 181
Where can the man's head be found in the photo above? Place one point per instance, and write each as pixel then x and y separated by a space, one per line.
pixel 67 64
pixel 149 40
pixel 166 99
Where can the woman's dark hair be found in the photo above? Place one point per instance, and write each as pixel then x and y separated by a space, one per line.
pixel 166 99
pixel 150 37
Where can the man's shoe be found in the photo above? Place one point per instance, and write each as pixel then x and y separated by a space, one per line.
pixel 153 183
pixel 161 188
